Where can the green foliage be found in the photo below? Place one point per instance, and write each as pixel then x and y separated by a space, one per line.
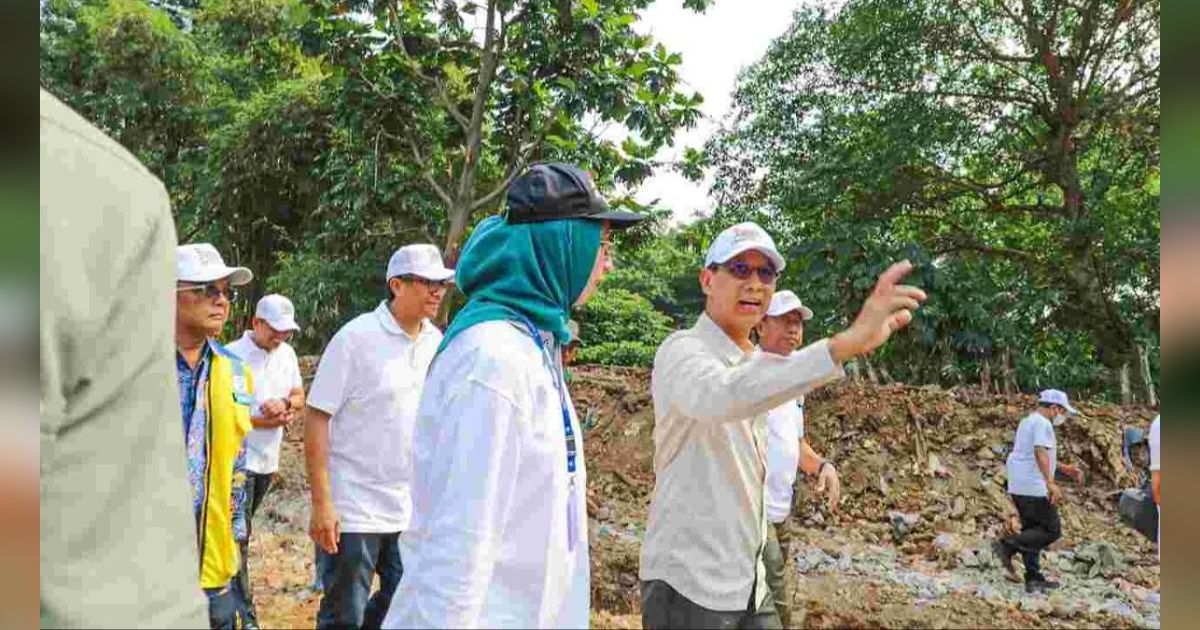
pixel 618 327
pixel 1011 153
pixel 307 139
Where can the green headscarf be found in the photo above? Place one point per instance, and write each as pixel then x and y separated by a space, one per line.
pixel 531 271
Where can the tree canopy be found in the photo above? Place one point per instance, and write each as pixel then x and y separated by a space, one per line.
pixel 1008 147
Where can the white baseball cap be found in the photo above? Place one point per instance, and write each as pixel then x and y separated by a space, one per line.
pixel 201 262
pixel 741 238
pixel 422 260
pixel 278 312
pixel 784 302
pixel 1056 397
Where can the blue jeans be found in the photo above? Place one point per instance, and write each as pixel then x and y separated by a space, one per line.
pixel 346 577
pixel 226 607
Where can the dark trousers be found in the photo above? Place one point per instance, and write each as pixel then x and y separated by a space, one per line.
pixel 226 609
pixel 1040 527
pixel 346 577
pixel 257 487
pixel 664 608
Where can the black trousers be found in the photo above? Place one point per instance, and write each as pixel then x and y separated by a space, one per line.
pixel 664 608
pixel 1040 527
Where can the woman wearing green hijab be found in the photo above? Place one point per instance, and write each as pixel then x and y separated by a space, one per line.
pixel 499 531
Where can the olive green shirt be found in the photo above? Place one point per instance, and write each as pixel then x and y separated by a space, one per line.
pixel 118 539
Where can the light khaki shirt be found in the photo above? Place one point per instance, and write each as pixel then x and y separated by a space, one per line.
pixel 708 521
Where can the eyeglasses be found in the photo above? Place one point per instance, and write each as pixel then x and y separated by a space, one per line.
pixel 211 291
pixel 432 285
pixel 743 271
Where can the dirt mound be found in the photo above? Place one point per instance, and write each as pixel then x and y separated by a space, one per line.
pixel 929 459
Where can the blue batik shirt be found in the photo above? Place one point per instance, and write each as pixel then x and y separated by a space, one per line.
pixel 192 387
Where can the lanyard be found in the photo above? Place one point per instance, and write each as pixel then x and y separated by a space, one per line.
pixel 573 508
pixel 568 430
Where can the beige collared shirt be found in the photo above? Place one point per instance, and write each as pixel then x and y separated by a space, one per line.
pixel 708 521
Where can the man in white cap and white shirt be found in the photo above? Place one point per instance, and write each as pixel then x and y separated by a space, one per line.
pixel 702 556
pixel 362 406
pixel 1030 470
pixel 278 396
pixel 788 450
pixel 216 392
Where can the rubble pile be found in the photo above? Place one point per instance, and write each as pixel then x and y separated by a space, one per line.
pixel 923 488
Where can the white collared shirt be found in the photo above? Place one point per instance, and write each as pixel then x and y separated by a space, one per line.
pixel 370 380
pixel 708 522
pixel 785 427
pixel 488 545
pixel 1021 468
pixel 276 373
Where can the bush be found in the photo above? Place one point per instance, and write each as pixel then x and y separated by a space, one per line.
pixel 624 353
pixel 618 327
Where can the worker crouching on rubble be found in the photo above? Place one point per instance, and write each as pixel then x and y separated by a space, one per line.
pixel 702 556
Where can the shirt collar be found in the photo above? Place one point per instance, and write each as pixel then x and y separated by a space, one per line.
pixel 718 341
pixel 389 323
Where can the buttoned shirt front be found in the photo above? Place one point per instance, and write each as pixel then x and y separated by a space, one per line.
pixel 708 521
pixel 369 381
pixel 276 373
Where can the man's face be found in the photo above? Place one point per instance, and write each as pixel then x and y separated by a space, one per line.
pixel 419 296
pixel 568 353
pixel 199 312
pixel 738 303
pixel 782 334
pixel 268 338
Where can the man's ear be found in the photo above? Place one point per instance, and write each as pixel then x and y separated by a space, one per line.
pixel 397 286
pixel 706 278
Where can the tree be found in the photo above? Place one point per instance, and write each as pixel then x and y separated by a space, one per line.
pixel 970 134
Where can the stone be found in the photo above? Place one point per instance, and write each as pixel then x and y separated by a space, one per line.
pixel 960 506
pixel 985 453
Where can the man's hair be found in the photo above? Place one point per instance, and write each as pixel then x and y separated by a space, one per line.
pixel 387 287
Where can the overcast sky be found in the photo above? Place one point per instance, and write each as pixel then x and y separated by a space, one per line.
pixel 715 46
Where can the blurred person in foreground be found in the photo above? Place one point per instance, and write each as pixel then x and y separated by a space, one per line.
pixel 278 396
pixel 788 450
pixel 499 534
pixel 118 539
pixel 702 556
pixel 216 392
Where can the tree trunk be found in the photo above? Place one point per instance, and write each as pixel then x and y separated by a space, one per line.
pixel 1147 380
pixel 1010 382
pixel 985 376
pixel 1126 390
pixel 886 376
pixel 871 375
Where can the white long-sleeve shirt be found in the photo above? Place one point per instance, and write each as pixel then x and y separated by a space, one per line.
pixel 488 545
pixel 708 521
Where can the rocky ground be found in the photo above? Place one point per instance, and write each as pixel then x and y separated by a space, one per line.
pixel 923 487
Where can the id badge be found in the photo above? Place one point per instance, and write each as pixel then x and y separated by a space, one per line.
pixel 572 515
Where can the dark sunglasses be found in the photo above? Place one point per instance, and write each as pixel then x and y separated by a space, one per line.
pixel 211 291
pixel 743 271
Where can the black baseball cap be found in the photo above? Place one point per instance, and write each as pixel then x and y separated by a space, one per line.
pixel 550 191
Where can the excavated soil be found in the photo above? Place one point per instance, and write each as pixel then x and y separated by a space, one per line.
pixel 922 471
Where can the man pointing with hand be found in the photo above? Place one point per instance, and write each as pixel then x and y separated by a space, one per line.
pixel 702 556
